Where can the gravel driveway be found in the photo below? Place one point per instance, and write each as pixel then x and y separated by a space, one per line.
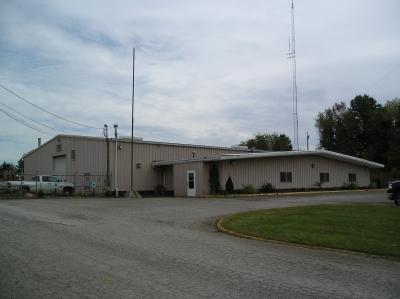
pixel 169 247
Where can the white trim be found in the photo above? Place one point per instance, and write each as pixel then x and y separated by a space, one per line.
pixel 191 192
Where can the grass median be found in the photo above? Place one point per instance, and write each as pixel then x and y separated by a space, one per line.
pixel 368 228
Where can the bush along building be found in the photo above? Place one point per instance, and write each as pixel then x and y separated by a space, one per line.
pixel 190 170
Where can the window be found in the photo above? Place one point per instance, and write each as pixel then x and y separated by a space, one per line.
pixel 58 148
pixel 324 177
pixel 45 179
pixel 72 154
pixel 352 178
pixel 191 180
pixel 286 177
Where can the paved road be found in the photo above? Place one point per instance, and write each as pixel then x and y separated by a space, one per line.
pixel 169 247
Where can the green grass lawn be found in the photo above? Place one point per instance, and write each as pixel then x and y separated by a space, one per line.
pixel 368 228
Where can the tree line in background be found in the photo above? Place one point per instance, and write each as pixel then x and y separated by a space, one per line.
pixel 17 169
pixel 269 142
pixel 364 129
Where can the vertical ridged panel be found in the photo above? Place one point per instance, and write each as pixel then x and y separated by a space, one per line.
pixel 260 171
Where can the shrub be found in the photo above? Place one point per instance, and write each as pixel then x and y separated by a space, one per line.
pixel 229 188
pixel 267 188
pixel 318 184
pixel 350 186
pixel 249 189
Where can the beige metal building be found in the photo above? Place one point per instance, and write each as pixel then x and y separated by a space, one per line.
pixel 284 170
pixel 82 160
pixel 183 169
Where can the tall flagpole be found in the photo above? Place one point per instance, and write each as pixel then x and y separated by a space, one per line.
pixel 133 110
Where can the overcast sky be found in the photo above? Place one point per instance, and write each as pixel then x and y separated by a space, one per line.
pixel 207 72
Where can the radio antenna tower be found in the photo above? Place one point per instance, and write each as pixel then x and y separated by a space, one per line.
pixel 292 56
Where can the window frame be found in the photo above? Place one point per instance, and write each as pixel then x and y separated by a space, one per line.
pixel 324 177
pixel 350 178
pixel 286 177
pixel 73 154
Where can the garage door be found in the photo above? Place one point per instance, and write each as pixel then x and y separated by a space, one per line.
pixel 60 166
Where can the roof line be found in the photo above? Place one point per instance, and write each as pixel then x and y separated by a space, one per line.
pixel 321 153
pixel 137 141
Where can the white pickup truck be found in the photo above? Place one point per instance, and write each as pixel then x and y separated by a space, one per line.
pixel 46 183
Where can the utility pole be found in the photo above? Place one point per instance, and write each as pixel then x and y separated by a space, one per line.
pixel 108 157
pixel 133 109
pixel 116 159
pixel 308 137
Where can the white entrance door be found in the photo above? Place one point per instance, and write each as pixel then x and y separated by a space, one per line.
pixel 191 183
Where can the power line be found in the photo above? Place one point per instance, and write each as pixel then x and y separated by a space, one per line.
pixel 378 81
pixel 35 121
pixel 22 122
pixel 44 110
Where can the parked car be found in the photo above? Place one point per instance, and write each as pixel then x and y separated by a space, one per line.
pixel 394 191
pixel 45 183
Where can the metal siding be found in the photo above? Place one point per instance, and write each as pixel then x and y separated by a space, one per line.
pixel 41 161
pixel 91 155
pixel 180 172
pixel 259 171
pixel 206 174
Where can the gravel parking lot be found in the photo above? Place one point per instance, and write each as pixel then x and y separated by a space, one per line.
pixel 169 247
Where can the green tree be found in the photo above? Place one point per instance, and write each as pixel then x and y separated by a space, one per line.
pixel 330 125
pixel 391 117
pixel 20 166
pixel 353 130
pixel 365 129
pixel 6 166
pixel 271 142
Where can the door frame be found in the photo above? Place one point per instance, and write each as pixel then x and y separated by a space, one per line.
pixel 56 172
pixel 191 192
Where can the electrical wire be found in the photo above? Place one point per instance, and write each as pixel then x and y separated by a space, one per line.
pixel 35 121
pixel 23 122
pixel 378 81
pixel 44 110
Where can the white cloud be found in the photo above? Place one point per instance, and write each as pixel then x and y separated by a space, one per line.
pixel 209 72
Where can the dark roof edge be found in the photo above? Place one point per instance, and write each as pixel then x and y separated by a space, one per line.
pixel 39 147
